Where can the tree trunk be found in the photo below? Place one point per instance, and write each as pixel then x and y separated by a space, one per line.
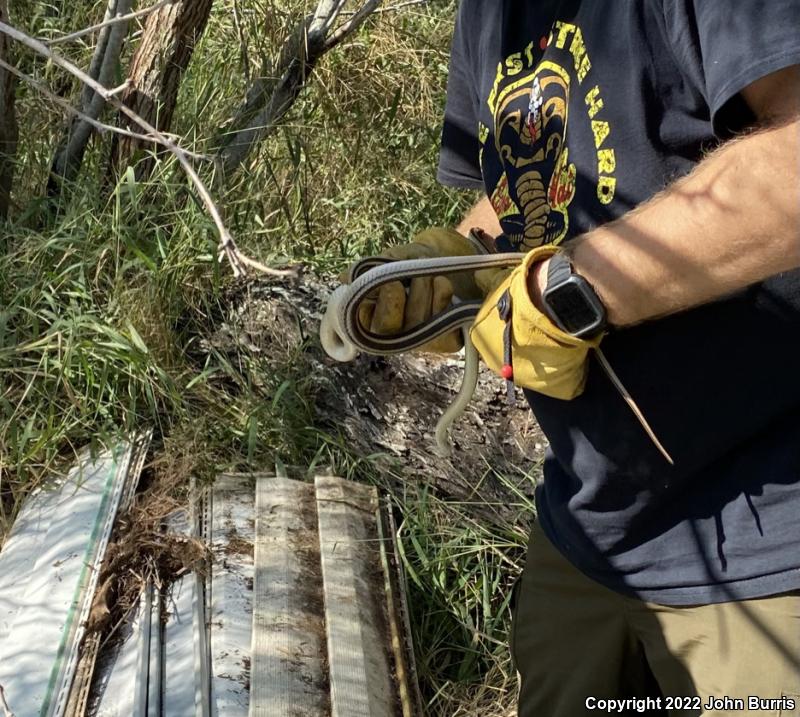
pixel 9 132
pixel 164 53
pixel 69 155
pixel 269 98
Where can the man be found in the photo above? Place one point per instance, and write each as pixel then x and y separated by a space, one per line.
pixel 656 143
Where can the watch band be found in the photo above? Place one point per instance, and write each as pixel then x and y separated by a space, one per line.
pixel 558 270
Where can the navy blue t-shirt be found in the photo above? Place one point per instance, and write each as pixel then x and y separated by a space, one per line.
pixel 569 114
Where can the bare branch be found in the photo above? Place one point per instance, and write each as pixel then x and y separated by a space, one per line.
pixel 99 52
pixel 259 92
pixel 101 127
pixel 349 27
pixel 227 245
pixel 324 16
pixel 124 86
pixel 108 23
pixel 268 100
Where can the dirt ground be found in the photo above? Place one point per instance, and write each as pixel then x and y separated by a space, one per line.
pixel 390 405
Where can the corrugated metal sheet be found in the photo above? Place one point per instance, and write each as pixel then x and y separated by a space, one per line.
pixel 56 554
pixel 181 682
pixel 289 674
pixel 154 655
pixel 231 599
pixel 20 550
pixel 301 612
pixel 123 692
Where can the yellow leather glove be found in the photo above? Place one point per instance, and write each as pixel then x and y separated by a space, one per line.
pixel 543 357
pixel 392 310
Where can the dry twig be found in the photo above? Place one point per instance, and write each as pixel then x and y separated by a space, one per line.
pixel 227 246
pixel 101 127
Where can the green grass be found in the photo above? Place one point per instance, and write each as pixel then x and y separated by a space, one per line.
pixel 460 572
pixel 102 308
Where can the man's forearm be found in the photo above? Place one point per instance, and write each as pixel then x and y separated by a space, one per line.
pixel 734 221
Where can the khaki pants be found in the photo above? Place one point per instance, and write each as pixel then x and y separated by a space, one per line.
pixel 577 645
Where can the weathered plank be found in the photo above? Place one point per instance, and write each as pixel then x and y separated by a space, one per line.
pixel 288 650
pixel 231 604
pixel 355 608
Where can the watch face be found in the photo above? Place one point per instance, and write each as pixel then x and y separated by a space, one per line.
pixel 574 311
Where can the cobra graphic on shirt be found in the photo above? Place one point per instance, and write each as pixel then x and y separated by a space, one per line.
pixel 530 103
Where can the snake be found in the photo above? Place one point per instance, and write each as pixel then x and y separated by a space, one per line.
pixel 343 337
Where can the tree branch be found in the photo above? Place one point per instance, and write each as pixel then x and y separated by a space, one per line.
pixel 99 52
pixel 108 22
pixel 268 100
pixel 324 16
pixel 356 21
pixel 227 245
pixel 101 127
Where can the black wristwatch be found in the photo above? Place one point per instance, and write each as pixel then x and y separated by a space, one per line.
pixel 570 302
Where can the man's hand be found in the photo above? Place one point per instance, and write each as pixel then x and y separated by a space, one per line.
pixel 393 310
pixel 522 344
